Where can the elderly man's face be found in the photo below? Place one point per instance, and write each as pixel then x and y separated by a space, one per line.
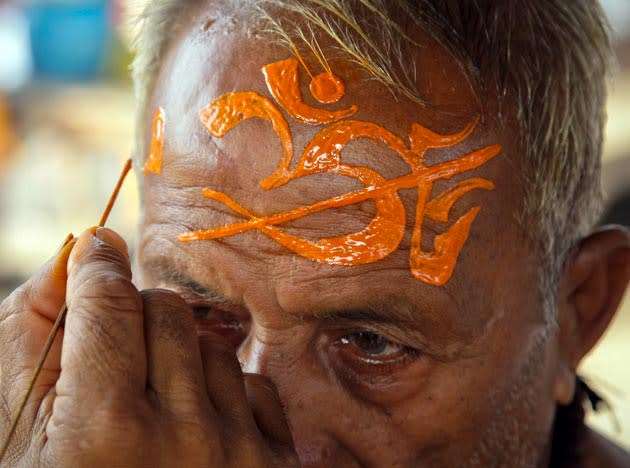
pixel 375 366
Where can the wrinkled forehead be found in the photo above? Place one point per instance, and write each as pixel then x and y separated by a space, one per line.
pixel 250 142
pixel 227 52
pixel 396 187
pixel 223 51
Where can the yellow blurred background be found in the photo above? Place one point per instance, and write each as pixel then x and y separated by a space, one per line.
pixel 64 138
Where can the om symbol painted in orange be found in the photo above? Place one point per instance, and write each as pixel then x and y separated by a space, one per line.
pixel 384 233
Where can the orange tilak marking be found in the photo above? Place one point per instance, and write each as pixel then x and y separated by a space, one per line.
pixel 371 192
pixel 327 88
pixel 282 82
pixel 153 164
pixel 323 154
pixel 383 234
pixel 225 113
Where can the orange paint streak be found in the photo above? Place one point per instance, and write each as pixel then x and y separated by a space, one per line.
pixel 371 192
pixel 386 230
pixel 153 163
pixel 380 238
pixel 323 154
pixel 439 208
pixel 226 112
pixel 283 84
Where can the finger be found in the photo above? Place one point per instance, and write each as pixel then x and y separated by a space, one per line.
pixel 25 322
pixel 266 406
pixel 44 293
pixel 224 382
pixel 103 355
pixel 174 369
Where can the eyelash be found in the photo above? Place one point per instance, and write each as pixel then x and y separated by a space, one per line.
pixel 359 361
pixel 345 344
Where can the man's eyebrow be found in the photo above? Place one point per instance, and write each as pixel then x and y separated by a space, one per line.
pixel 164 270
pixel 401 322
pixel 388 310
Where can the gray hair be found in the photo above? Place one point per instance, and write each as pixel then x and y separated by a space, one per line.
pixel 553 56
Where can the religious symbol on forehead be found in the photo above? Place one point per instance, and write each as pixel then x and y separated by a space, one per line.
pixel 153 163
pixel 323 154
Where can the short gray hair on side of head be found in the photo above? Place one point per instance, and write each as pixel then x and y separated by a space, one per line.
pixel 551 56
pixel 159 24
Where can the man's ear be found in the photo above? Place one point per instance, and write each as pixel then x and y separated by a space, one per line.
pixel 592 286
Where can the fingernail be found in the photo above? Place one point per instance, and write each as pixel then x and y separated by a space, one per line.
pixel 83 242
pixel 69 238
pixel 113 239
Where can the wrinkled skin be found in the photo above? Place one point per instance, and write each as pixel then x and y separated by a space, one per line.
pixel 417 407
pixel 371 366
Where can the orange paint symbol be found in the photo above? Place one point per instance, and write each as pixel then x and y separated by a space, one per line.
pixel 323 154
pixel 282 82
pixel 153 163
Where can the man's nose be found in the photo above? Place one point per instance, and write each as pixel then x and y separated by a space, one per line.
pixel 253 355
pixel 282 355
pixel 273 347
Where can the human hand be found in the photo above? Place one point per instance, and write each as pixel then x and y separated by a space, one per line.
pixel 127 381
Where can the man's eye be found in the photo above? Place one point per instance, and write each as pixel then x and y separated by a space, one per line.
pixel 371 344
pixel 374 349
pixel 210 319
pixel 365 358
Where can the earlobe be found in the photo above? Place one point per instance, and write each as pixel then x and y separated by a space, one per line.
pixel 593 284
pixel 564 385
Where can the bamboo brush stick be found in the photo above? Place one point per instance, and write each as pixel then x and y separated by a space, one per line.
pixel 60 318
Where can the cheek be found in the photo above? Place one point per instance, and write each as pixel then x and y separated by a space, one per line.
pixel 489 404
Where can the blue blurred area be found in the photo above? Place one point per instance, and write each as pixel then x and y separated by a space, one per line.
pixel 69 39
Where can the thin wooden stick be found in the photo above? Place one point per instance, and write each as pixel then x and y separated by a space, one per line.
pixel 114 195
pixel 60 318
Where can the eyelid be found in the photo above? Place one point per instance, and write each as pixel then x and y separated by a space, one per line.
pixel 389 331
pixel 412 338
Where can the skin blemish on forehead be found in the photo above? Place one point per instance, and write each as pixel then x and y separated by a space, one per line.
pixel 153 164
pixel 323 154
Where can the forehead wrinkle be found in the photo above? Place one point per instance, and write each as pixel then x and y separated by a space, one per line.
pixel 313 187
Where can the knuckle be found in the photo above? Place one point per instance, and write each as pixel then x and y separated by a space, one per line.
pixel 109 289
pixel 101 254
pixel 169 314
pixel 116 430
pixel 121 415
pixel 15 302
pixel 119 422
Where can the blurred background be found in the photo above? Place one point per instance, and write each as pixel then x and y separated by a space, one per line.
pixel 66 127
